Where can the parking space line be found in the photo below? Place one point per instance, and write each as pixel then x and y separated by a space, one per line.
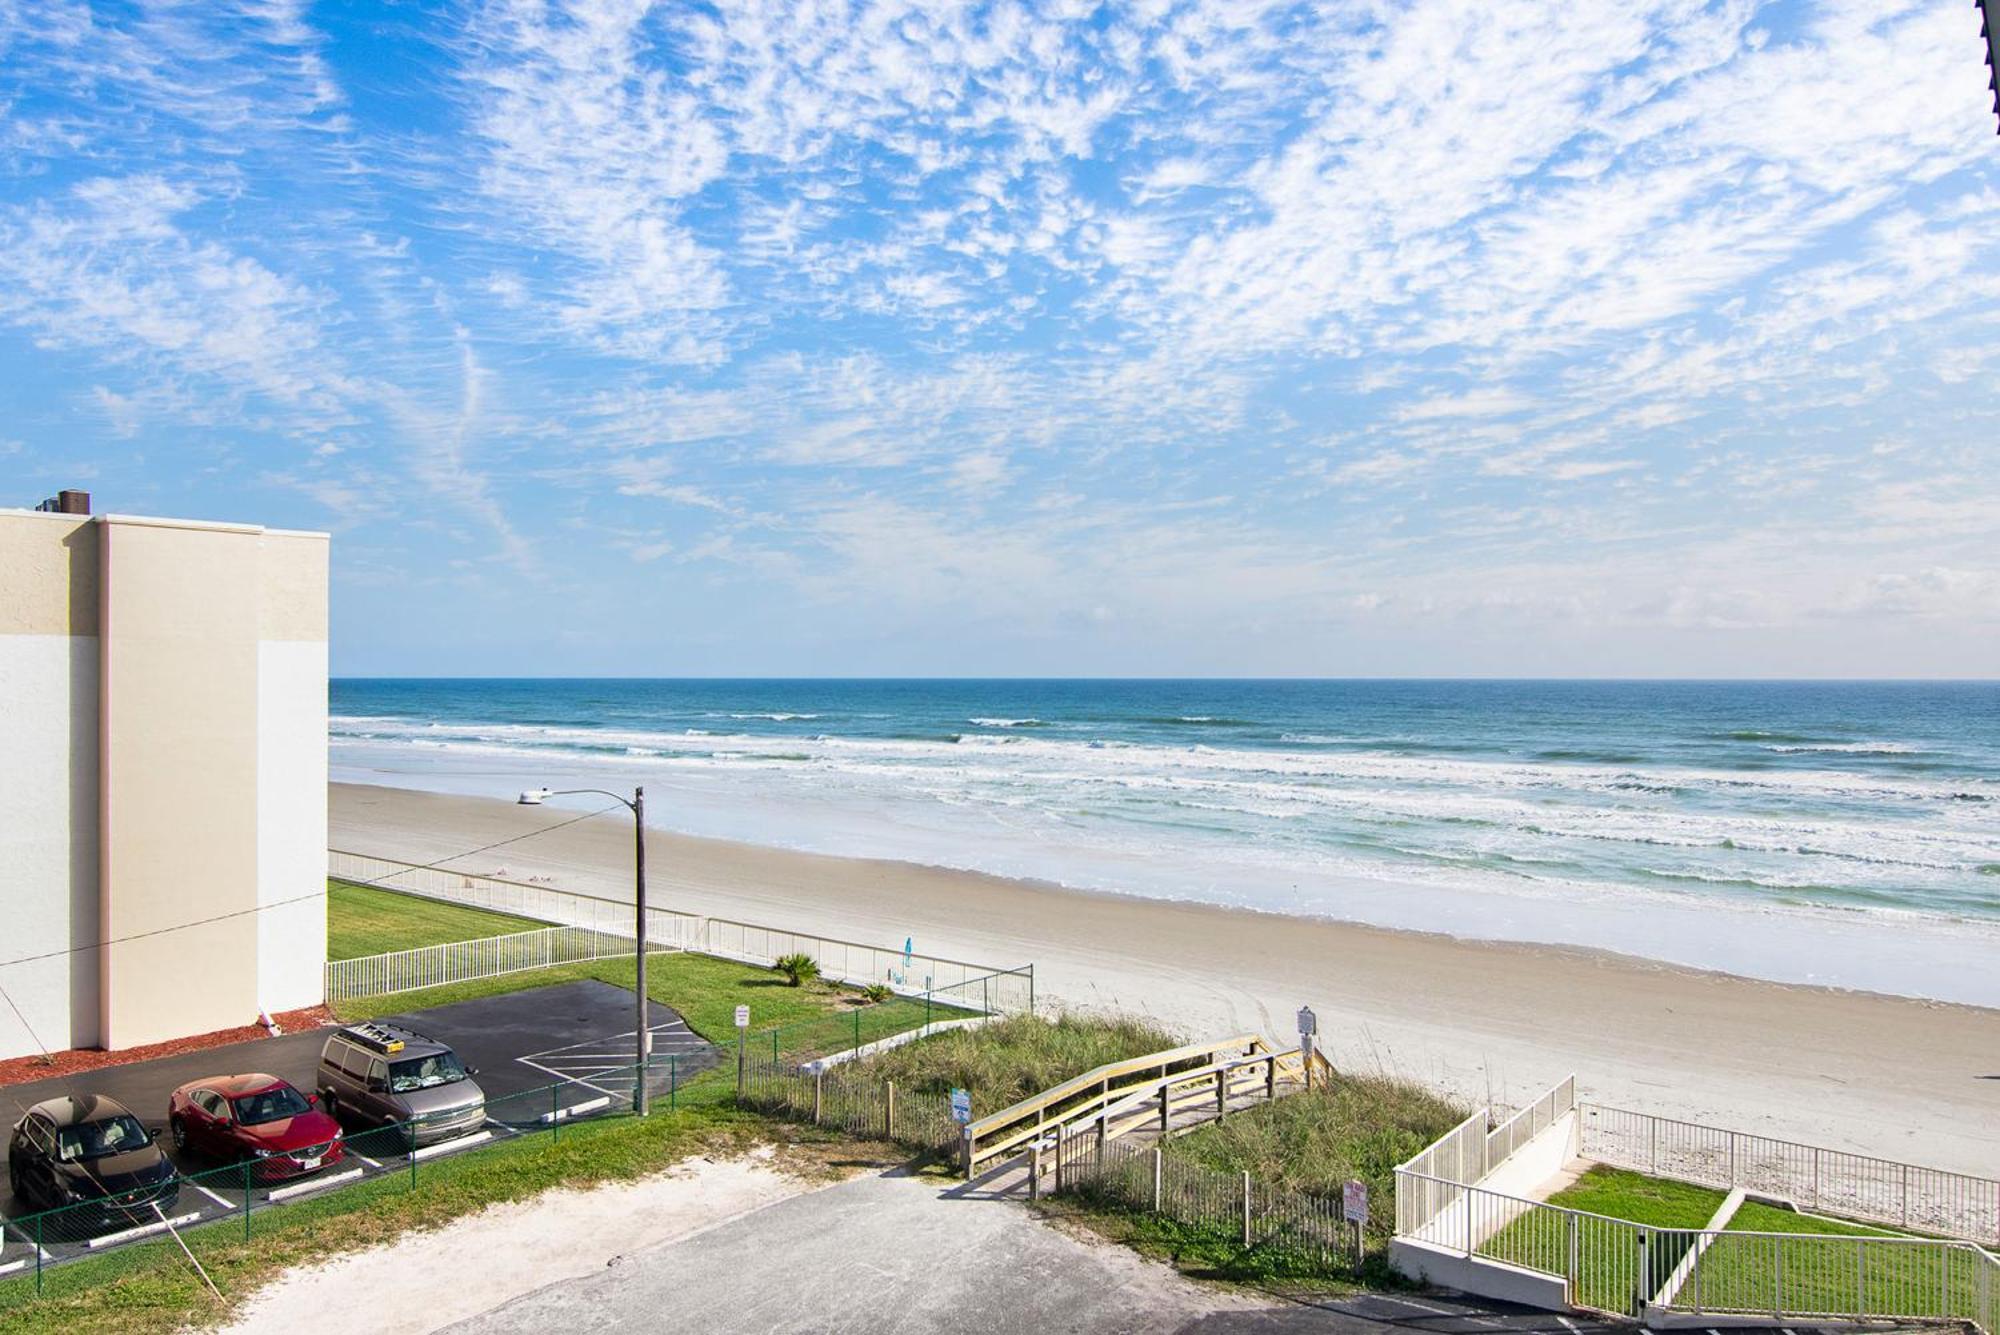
pixel 12 1266
pixel 317 1184
pixel 576 1110
pixel 356 1154
pixel 451 1146
pixel 223 1202
pixel 567 1078
pixel 29 1242
pixel 126 1235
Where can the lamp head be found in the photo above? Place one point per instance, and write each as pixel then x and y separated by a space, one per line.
pixel 534 797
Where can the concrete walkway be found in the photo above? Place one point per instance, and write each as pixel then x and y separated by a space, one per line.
pixel 891 1254
pixel 887 1254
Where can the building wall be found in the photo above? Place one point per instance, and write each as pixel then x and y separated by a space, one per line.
pixel 178 619
pixel 163 804
pixel 291 773
pixel 48 783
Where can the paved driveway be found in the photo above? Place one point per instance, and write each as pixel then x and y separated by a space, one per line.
pixel 891 1254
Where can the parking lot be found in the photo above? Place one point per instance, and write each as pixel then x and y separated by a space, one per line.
pixel 548 1055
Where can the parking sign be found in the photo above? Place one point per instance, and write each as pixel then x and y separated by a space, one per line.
pixel 1354 1201
pixel 961 1106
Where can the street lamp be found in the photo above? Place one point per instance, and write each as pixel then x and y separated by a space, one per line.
pixel 534 797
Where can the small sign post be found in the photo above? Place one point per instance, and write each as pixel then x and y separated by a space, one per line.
pixel 742 1048
pixel 1308 1026
pixel 961 1113
pixel 1354 1208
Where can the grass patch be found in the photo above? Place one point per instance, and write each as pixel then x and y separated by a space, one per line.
pixel 1309 1143
pixel 1624 1194
pixel 1757 1217
pixel 1315 1141
pixel 1005 1061
pixel 1607 1259
pixel 704 989
pixel 1809 1270
pixel 367 920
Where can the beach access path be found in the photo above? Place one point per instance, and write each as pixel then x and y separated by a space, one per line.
pixel 1489 1022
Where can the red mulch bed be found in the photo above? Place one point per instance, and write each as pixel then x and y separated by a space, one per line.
pixel 20 1070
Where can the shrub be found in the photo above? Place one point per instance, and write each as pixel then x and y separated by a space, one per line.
pixel 877 993
pixel 800 967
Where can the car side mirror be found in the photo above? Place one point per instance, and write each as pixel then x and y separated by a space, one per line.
pixel 154 1135
pixel 472 1070
pixel 378 1086
pixel 312 1100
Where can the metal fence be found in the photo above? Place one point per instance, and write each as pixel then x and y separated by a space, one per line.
pixel 1624 1268
pixel 1529 1122
pixel 1816 1179
pixel 850 1099
pixel 523 899
pixel 856 962
pixel 1292 1231
pixel 1467 1153
pixel 458 961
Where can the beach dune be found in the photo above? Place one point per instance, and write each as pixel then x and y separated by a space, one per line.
pixel 1900 1078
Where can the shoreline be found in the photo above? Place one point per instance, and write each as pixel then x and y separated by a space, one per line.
pixel 1491 1021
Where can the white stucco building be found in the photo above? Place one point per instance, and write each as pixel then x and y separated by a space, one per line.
pixel 162 777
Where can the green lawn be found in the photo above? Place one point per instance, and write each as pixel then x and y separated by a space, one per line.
pixel 1606 1257
pixel 1808 1271
pixel 367 920
pixel 704 989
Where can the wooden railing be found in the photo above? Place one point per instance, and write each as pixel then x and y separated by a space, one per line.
pixel 1139 1092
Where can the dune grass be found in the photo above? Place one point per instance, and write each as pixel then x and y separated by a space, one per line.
pixel 368 920
pixel 1007 1060
pixel 1310 1143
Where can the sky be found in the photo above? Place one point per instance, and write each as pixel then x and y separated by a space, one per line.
pixel 1174 337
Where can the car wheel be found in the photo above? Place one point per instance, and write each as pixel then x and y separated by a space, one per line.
pixel 178 1129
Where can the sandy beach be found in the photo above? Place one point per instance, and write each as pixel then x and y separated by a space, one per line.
pixel 1901 1078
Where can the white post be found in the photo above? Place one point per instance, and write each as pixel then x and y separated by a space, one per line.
pixel 1157 1163
pixel 1246 1208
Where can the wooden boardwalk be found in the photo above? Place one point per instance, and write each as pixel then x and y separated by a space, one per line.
pixel 1144 1100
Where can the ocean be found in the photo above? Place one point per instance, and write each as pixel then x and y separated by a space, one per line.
pixel 1840 833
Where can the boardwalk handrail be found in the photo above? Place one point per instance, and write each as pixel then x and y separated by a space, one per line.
pixel 1100 1099
pixel 1097 1075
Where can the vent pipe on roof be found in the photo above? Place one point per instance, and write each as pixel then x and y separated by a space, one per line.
pixel 67 503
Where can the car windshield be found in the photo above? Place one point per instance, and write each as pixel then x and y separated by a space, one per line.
pixel 422 1072
pixel 270 1105
pixel 96 1140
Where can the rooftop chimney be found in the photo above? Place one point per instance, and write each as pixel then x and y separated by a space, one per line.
pixel 67 503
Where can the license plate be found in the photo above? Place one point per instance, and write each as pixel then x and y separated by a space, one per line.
pixel 308 1164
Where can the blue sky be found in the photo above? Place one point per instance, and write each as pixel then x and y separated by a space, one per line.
pixel 1623 337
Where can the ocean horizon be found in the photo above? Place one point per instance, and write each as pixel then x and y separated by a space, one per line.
pixel 1837 832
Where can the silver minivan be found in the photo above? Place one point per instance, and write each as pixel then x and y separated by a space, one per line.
pixel 387 1075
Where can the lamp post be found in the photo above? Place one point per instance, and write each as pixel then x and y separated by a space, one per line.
pixel 534 797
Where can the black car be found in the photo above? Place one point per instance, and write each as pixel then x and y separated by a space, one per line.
pixel 91 1154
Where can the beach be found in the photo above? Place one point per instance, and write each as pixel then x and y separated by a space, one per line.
pixel 1485 1020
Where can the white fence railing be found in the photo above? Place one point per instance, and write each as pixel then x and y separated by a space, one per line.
pixel 1813 1178
pixel 1616 1266
pixel 461 961
pixel 1469 1151
pixel 1002 989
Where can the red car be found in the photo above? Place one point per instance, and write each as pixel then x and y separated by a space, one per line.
pixel 260 1118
